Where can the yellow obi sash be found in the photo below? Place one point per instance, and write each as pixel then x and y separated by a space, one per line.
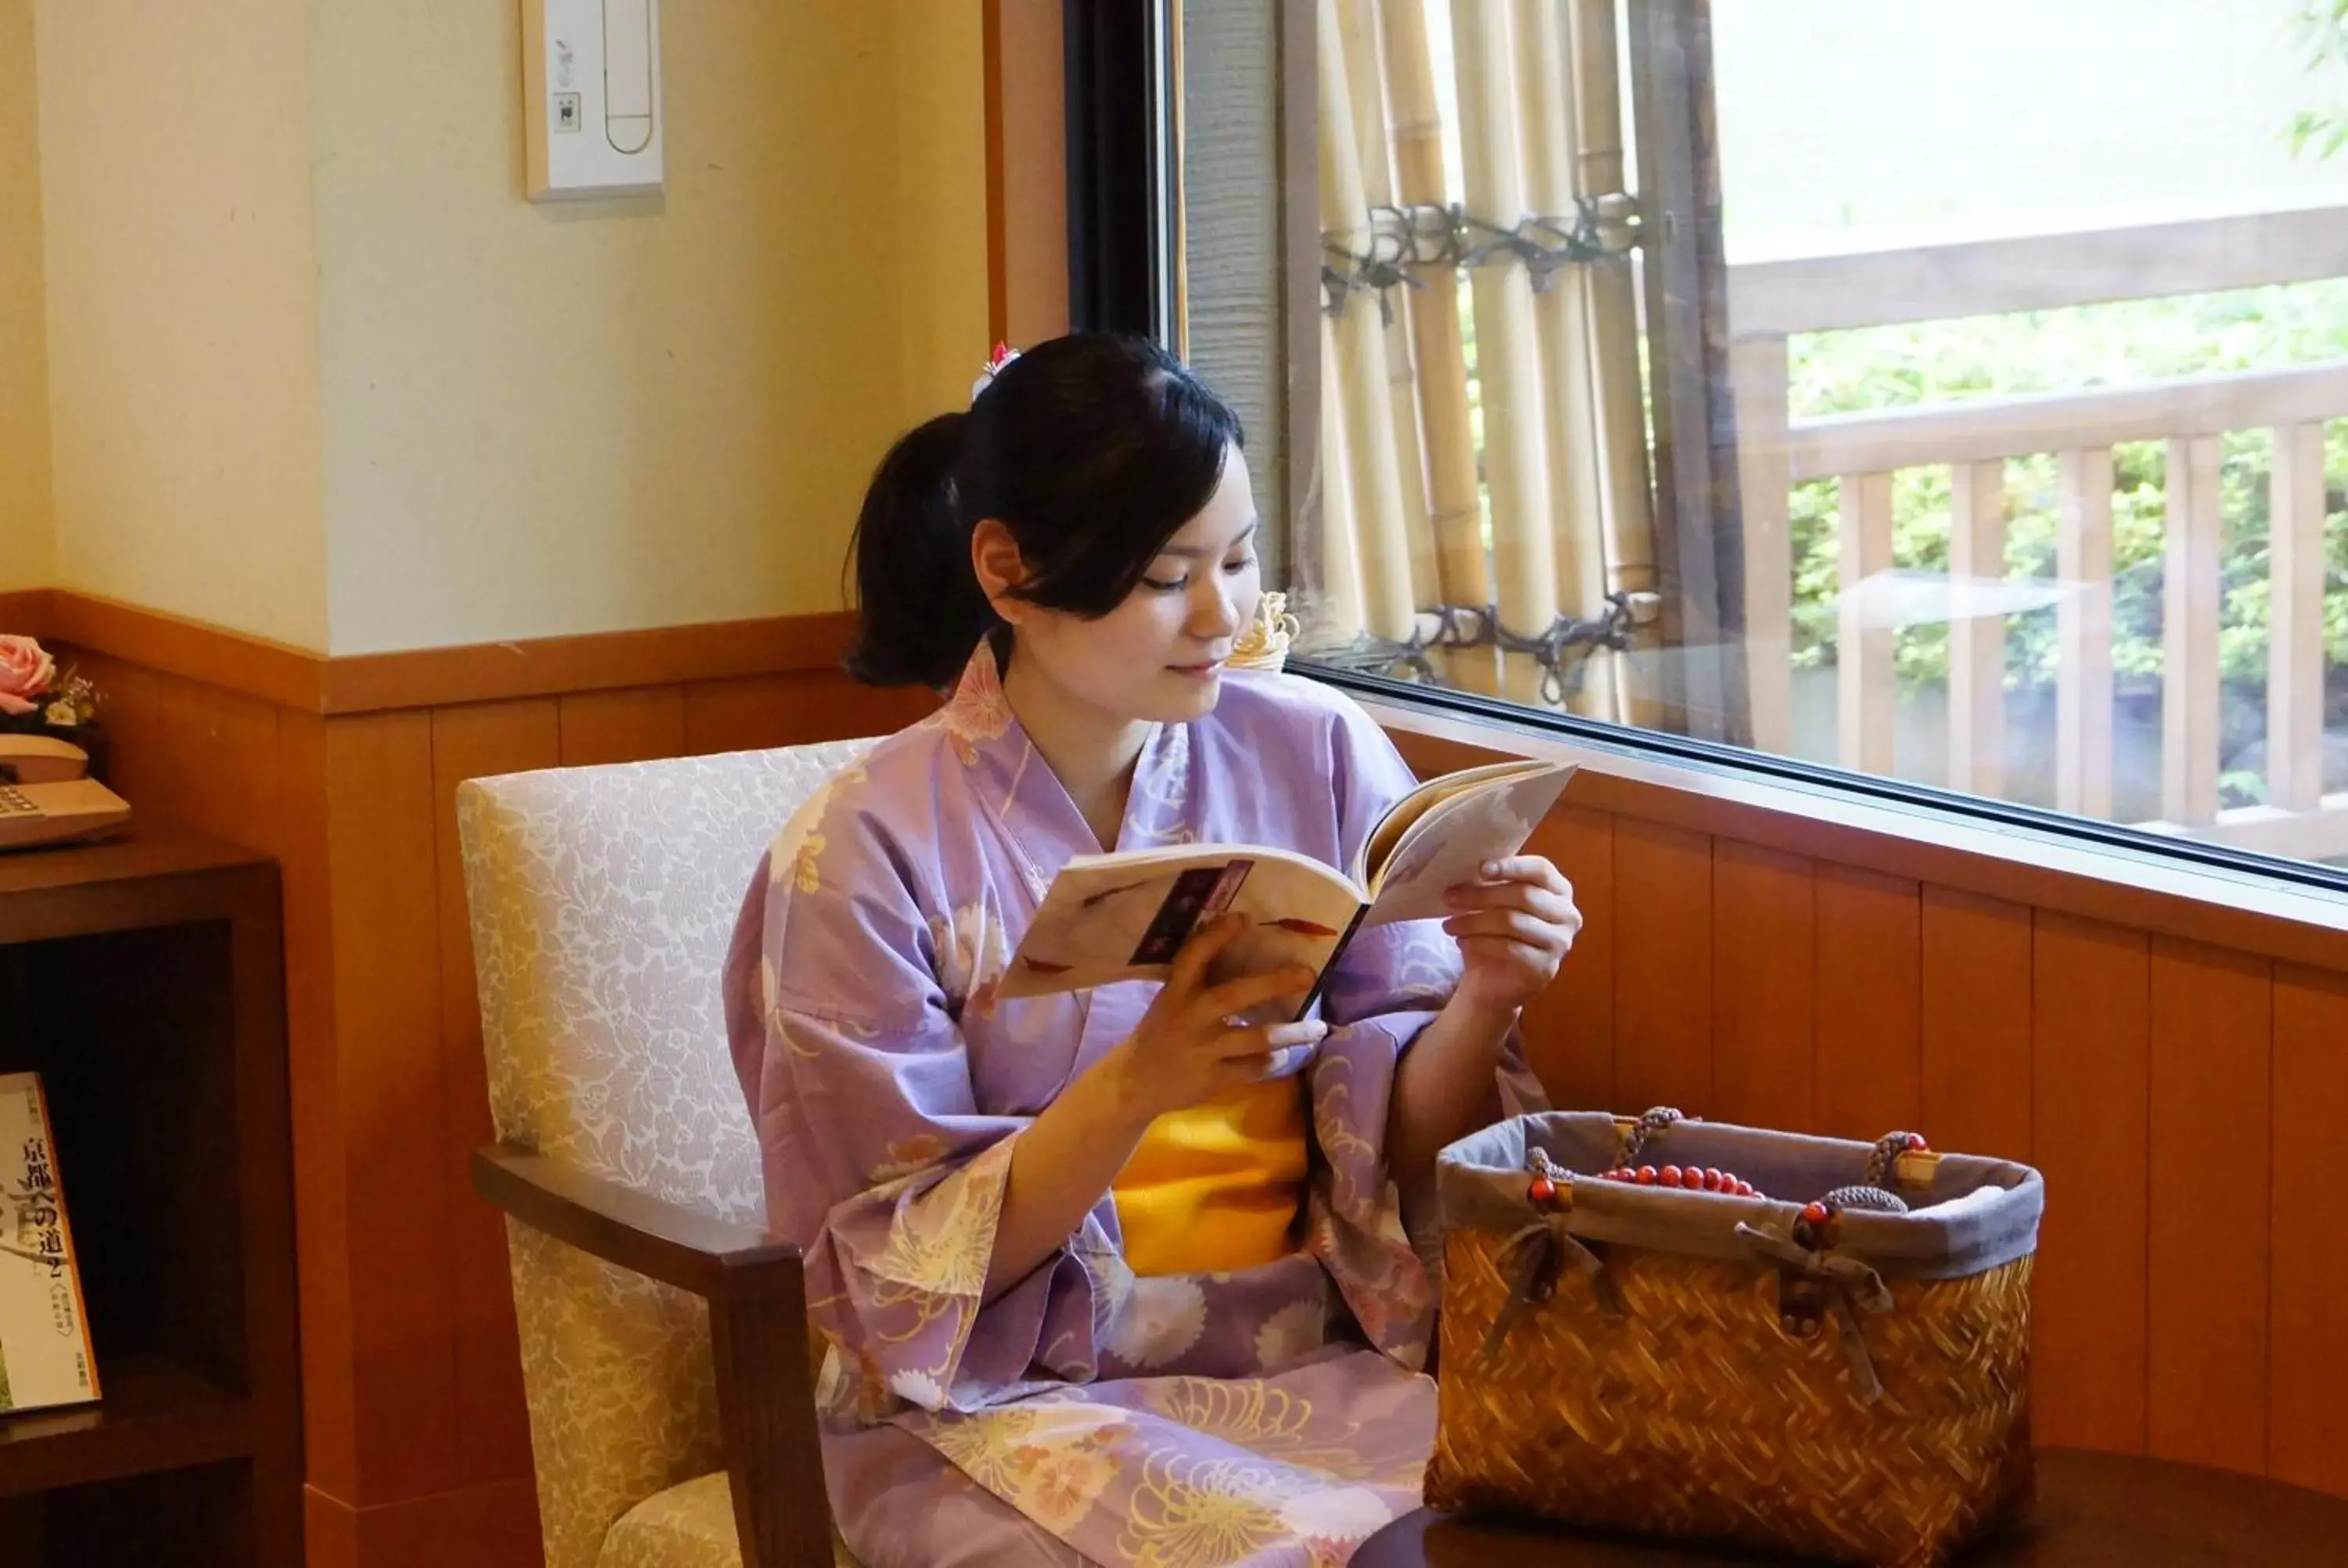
pixel 1217 1187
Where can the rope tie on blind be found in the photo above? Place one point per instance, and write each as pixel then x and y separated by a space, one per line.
pixel 1421 237
pixel 1559 649
pixel 1378 270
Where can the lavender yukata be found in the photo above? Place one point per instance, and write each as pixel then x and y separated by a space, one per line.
pixel 1272 1416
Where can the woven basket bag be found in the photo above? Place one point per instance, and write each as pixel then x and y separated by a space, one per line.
pixel 1794 1371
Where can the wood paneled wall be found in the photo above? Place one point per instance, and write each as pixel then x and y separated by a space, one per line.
pixel 418 1444
pixel 2183 1099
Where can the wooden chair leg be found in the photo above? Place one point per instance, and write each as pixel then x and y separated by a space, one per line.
pixel 765 1404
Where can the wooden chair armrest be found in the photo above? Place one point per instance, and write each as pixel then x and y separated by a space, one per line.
pixel 757 1332
pixel 684 1247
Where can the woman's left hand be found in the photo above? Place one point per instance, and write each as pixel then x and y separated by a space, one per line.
pixel 1514 929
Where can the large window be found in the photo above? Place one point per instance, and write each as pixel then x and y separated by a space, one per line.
pixel 1950 393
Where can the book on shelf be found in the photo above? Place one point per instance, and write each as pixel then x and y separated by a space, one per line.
pixel 45 1350
pixel 1124 917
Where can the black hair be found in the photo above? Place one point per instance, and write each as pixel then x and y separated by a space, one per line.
pixel 1092 449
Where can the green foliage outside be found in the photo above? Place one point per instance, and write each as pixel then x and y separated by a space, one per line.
pixel 2323 28
pixel 2037 352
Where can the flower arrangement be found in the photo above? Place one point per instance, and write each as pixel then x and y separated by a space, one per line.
pixel 1263 644
pixel 35 695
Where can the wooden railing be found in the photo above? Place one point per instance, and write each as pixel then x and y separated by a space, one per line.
pixel 1974 438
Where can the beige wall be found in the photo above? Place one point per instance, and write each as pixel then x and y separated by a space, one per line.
pixel 939 220
pixel 182 324
pixel 557 419
pixel 27 541
pixel 324 376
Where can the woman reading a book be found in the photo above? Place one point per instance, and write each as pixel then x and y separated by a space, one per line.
pixel 1110 1278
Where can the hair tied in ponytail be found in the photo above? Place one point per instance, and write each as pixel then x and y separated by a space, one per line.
pixel 1003 354
pixel 1092 449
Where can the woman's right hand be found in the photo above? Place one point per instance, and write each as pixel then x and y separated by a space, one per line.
pixel 1187 1049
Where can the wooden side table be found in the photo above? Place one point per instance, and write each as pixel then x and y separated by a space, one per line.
pixel 143 979
pixel 2095 1511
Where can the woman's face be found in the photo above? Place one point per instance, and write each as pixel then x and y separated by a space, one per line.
pixel 1158 657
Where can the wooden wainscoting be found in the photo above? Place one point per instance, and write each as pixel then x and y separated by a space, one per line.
pixel 2178 1066
pixel 2183 1098
pixel 418 1441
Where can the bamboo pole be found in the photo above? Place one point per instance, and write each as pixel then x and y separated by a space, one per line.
pixel 1569 367
pixel 1454 503
pixel 1335 622
pixel 1506 349
pixel 1375 471
pixel 1619 390
pixel 1365 78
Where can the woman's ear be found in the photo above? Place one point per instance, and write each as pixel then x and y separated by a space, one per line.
pixel 994 558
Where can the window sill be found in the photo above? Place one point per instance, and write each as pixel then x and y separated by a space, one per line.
pixel 2140 889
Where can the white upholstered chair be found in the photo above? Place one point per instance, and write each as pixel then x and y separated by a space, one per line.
pixel 664 1343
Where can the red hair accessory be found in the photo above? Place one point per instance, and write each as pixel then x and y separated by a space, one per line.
pixel 1003 354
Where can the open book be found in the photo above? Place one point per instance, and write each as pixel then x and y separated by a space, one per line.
pixel 1110 918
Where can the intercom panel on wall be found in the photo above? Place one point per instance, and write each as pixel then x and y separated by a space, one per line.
pixel 591 98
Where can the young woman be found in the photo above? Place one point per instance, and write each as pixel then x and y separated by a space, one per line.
pixel 1108 1279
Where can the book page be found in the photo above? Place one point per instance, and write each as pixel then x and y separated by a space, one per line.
pixel 1108 918
pixel 1406 813
pixel 1487 818
pixel 1398 819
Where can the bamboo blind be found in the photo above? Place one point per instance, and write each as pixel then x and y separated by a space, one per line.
pixel 1484 455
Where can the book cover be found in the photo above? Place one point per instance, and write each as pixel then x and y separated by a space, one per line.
pixel 1117 917
pixel 45 1351
pixel 1113 918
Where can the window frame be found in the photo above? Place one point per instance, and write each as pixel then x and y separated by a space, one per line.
pixel 1692 463
pixel 1123 136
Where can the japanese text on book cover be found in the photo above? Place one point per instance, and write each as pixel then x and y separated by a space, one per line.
pixel 45 1352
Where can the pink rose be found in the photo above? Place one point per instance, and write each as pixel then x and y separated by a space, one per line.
pixel 25 671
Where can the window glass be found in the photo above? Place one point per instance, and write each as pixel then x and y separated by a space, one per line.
pixel 1956 393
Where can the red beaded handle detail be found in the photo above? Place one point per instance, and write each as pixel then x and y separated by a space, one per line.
pixel 1549 1182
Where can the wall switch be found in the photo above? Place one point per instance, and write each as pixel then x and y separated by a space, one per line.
pixel 592 109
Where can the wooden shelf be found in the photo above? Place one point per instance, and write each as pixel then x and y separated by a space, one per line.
pixel 137 854
pixel 155 1416
pixel 143 979
pixel 144 877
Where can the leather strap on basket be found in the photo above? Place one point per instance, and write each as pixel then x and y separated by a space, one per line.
pixel 1851 1285
pixel 1532 1259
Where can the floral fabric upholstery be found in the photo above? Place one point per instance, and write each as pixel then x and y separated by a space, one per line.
pixel 688 1526
pixel 601 901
